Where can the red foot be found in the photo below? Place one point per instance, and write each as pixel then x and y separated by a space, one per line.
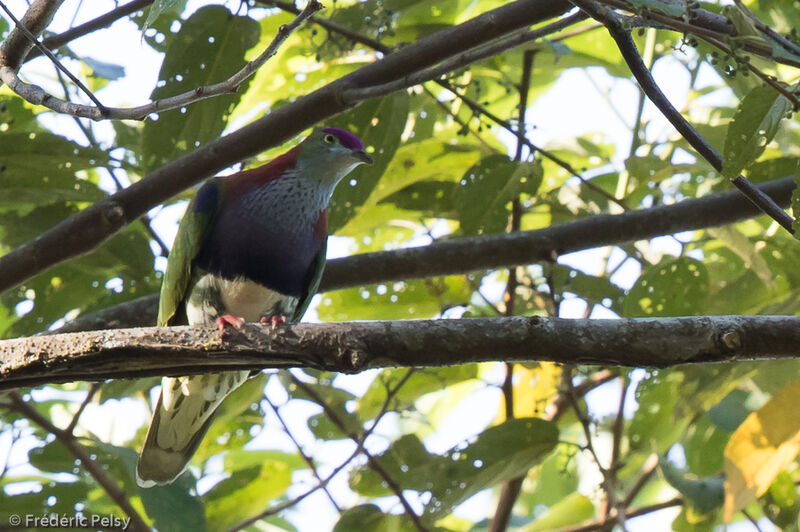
pixel 274 321
pixel 229 319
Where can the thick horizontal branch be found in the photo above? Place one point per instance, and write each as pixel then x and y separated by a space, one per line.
pixel 85 230
pixel 356 346
pixel 464 255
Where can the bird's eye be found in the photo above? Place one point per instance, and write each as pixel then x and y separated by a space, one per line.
pixel 329 139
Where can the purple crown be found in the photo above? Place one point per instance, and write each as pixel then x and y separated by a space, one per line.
pixel 346 139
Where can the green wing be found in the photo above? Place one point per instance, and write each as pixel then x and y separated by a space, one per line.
pixel 192 232
pixel 314 276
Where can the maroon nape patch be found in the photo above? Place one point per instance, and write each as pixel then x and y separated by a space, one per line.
pixel 346 139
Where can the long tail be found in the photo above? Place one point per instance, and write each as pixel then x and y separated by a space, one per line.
pixel 181 418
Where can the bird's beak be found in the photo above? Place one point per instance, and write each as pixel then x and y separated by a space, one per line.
pixel 362 156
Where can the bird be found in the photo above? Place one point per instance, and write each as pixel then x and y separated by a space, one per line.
pixel 251 246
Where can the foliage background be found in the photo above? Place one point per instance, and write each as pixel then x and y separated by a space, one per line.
pixel 409 446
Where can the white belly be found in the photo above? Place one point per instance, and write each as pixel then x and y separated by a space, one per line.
pixel 251 300
pixel 212 297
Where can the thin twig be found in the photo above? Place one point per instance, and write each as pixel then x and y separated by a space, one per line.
pixel 505 124
pixel 17 44
pixel 87 132
pixel 609 485
pixel 631 55
pixel 293 502
pixel 457 120
pixel 324 482
pixel 712 25
pixel 100 475
pixel 787 45
pixel 56 41
pixel 767 79
pixel 308 460
pixel 100 107
pixel 460 61
pixel 371 460
pixel 511 489
pixel 751 519
pixel 630 514
pixel 36 95
pixel 616 447
pixel 93 389
pixel 648 469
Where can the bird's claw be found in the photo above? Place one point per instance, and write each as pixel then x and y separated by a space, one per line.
pixel 229 319
pixel 274 321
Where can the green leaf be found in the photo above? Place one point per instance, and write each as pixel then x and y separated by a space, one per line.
pixel 489 186
pixel 754 125
pixel 669 8
pixel 656 425
pixel 370 517
pixel 58 498
pixel 780 503
pixel 704 446
pixel 400 300
pixel 729 413
pixel 595 290
pixel 500 453
pixel 221 40
pixel 40 168
pixel 706 494
pixel 421 382
pixel 673 287
pixel 157 9
pixel 572 509
pixel 174 507
pixel 257 477
pixel 52 458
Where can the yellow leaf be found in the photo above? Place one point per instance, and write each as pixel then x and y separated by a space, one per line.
pixel 763 446
pixel 533 390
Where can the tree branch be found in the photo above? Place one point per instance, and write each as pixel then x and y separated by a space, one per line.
pixel 356 346
pixel 371 461
pixel 33 39
pixel 463 255
pixel 629 514
pixel 100 475
pixel 36 95
pixel 645 79
pixel 56 41
pixel 16 46
pixel 85 230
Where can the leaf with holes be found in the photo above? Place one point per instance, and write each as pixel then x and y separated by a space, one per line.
pixel 673 287
pixel 489 186
pixel 209 48
pixel 754 125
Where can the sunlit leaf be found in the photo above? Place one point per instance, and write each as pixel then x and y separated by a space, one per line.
pixel 763 446
pixel 753 127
